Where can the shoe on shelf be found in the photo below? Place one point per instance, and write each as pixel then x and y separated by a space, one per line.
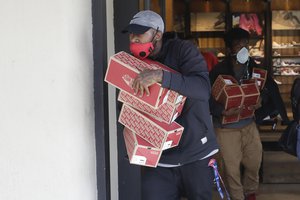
pixel 292 72
pixel 285 72
pixel 289 72
pixel 275 45
pixel 283 63
pixel 295 43
pixel 276 53
pixel 278 82
pixel 257 61
pixel 269 122
pixel 256 53
pixel 220 54
pixel 277 62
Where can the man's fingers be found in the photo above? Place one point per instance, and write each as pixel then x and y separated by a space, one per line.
pixel 135 87
pixel 147 91
pixel 141 90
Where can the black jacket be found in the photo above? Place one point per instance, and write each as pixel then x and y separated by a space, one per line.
pixel 198 139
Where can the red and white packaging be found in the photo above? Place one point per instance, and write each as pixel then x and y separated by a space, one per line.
pixel 159 134
pixel 261 76
pixel 140 152
pixel 166 112
pixel 251 97
pixel 220 83
pixel 122 70
pixel 231 97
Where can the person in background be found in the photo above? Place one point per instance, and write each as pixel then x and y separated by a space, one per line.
pixel 182 170
pixel 295 101
pixel 210 58
pixel 272 104
pixel 298 133
pixel 239 142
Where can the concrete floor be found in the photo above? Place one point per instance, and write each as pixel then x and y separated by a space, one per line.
pixel 279 192
pixel 280 177
pixel 274 192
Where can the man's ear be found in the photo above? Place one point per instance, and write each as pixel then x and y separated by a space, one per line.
pixel 158 36
pixel 228 50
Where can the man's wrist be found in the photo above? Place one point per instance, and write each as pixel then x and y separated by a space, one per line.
pixel 159 75
pixel 224 112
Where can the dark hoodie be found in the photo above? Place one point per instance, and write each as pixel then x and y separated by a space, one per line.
pixel 198 139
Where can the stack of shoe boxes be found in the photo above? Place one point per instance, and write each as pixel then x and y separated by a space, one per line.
pixel 149 120
pixel 230 94
pixel 227 92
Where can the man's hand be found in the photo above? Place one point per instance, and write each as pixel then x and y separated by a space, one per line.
pixel 256 106
pixel 232 111
pixel 145 79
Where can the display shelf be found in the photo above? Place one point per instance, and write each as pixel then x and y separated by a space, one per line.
pixel 206 21
pixel 270 16
pixel 287 47
pixel 285 30
pixel 287 56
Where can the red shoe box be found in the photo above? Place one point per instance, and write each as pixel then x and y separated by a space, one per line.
pixel 220 83
pixel 122 70
pixel 251 97
pixel 159 134
pixel 261 76
pixel 140 152
pixel 166 112
pixel 231 97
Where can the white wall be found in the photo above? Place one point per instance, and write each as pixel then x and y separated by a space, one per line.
pixel 47 147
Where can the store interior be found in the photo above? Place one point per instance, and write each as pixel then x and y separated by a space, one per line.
pixel 274 26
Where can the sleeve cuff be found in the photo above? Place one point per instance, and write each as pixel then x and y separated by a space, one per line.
pixel 166 80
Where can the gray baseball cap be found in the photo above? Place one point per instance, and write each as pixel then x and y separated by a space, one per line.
pixel 143 21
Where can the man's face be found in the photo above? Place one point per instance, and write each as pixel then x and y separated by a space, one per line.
pixel 142 38
pixel 237 45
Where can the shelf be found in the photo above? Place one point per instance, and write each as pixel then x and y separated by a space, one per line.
pixel 219 34
pixel 291 47
pixel 269 23
pixel 291 66
pixel 258 57
pixel 282 75
pixel 287 56
pixel 286 29
pixel 296 75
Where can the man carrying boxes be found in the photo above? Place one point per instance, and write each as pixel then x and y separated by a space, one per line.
pixel 182 169
pixel 151 118
pixel 239 139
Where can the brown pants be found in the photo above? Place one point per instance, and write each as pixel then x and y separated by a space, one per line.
pixel 240 147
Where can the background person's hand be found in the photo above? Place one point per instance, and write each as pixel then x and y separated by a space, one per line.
pixel 232 111
pixel 256 106
pixel 145 79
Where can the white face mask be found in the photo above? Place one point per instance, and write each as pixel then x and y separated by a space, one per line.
pixel 243 55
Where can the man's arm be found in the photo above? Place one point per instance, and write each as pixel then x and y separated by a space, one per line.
pixel 145 79
pixel 192 80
